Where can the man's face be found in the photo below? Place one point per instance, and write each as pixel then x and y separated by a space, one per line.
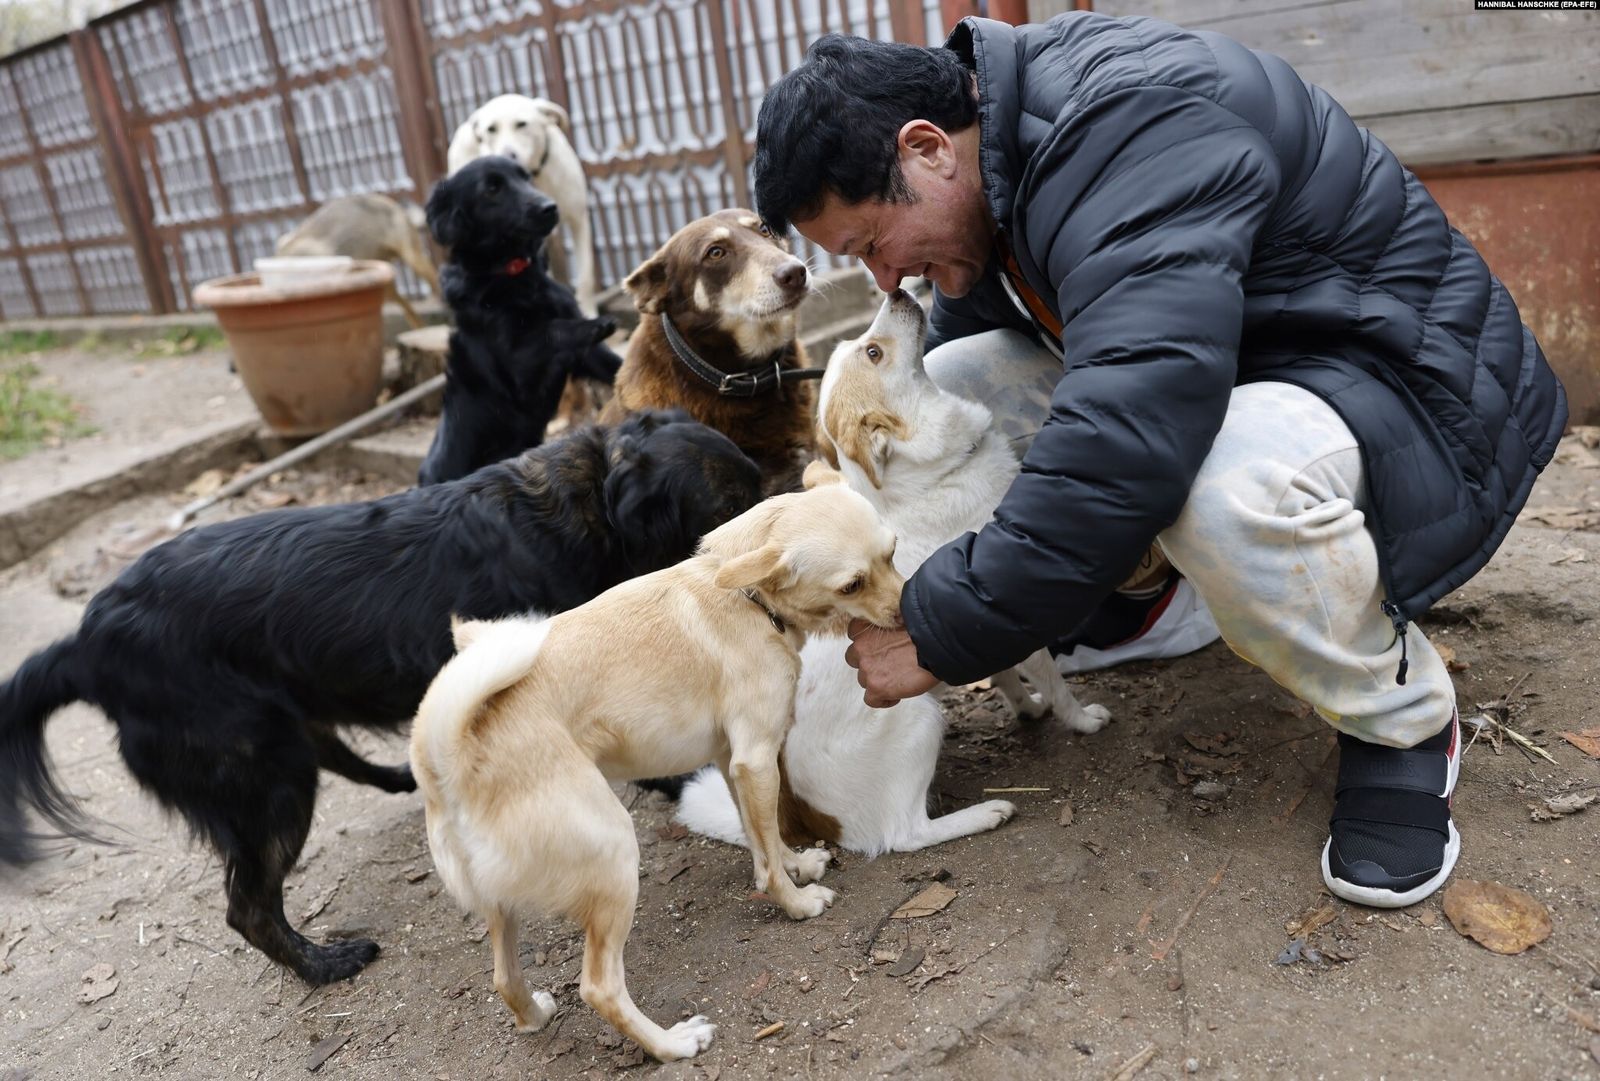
pixel 945 234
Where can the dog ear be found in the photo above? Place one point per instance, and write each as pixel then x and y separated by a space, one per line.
pixel 464 632
pixel 648 285
pixel 555 113
pixel 824 443
pixel 443 214
pixel 868 443
pixel 751 569
pixel 818 473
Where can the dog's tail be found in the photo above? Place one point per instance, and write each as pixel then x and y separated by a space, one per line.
pixel 492 657
pixel 45 682
pixel 706 806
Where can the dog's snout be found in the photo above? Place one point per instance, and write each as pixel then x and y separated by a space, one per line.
pixel 902 300
pixel 546 214
pixel 791 275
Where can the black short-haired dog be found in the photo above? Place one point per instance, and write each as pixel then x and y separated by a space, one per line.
pixel 519 334
pixel 228 656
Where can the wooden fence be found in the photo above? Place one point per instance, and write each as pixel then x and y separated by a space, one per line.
pixel 174 140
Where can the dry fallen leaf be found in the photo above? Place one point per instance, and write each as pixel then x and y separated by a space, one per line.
pixel 1560 806
pixel 1587 434
pixel 1066 815
pixel 98 982
pixel 1219 744
pixel 205 483
pixel 1499 918
pixel 1311 919
pixel 1448 655
pixel 926 903
pixel 1427 917
pixel 1587 741
pixel 759 984
pixel 907 962
pixel 1570 555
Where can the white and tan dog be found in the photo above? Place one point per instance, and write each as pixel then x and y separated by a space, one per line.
pixel 520 734
pixel 935 468
pixel 537 134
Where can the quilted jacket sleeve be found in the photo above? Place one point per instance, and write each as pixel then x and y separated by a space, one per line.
pixel 1142 211
pixel 953 318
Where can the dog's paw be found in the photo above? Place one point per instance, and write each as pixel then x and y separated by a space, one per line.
pixel 809 865
pixel 544 1008
pixel 998 809
pixel 1087 718
pixel 1031 707
pixel 687 1039
pixel 811 901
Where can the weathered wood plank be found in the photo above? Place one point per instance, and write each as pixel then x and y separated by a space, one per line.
pixel 1435 79
pixel 1388 56
pixel 1517 129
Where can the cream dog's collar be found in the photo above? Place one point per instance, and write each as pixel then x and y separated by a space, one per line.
pixel 777 621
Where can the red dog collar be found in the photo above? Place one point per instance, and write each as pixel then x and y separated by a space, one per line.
pixel 517 266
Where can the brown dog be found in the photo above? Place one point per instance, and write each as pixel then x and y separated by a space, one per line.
pixel 717 337
pixel 367 227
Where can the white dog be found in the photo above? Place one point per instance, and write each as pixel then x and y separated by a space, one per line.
pixel 537 134
pixel 934 467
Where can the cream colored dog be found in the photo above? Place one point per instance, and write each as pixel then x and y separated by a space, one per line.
pixel 516 740
pixel 536 134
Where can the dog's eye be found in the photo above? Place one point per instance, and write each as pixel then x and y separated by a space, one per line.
pixel 853 586
pixel 874 354
pixel 716 251
pixel 521 124
pixel 491 129
pixel 764 231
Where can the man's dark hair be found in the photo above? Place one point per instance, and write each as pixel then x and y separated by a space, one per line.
pixel 833 123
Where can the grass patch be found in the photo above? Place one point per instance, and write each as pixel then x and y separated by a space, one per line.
pixel 177 341
pixel 32 416
pixel 16 343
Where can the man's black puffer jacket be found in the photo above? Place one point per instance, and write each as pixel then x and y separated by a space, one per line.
pixel 1200 217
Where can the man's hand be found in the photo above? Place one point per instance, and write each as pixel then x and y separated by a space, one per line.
pixel 886 664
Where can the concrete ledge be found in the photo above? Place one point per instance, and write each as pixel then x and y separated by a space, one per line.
pixel 130 328
pixel 31 526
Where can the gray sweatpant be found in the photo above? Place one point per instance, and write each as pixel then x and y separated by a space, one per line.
pixel 1273 538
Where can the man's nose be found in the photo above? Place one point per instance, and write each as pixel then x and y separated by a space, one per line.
pixel 886 276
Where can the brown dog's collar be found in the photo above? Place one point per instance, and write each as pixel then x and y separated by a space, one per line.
pixel 732 384
pixel 777 621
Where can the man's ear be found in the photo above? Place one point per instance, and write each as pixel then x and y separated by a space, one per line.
pixel 751 569
pixel 928 146
pixel 648 285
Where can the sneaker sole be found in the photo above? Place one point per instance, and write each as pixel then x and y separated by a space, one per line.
pixel 1381 898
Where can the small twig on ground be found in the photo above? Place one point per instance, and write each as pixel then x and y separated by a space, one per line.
pixel 1161 950
pixel 5 951
pixel 771 1030
pixel 1128 1070
pixel 1023 788
pixel 1523 743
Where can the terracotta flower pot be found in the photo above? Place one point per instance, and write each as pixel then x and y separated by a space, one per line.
pixel 310 353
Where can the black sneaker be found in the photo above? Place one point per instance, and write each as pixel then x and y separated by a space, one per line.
pixel 1392 840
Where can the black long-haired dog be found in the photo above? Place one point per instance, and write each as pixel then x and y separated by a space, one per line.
pixel 228 656
pixel 519 334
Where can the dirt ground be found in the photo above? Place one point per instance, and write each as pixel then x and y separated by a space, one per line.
pixel 1120 926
